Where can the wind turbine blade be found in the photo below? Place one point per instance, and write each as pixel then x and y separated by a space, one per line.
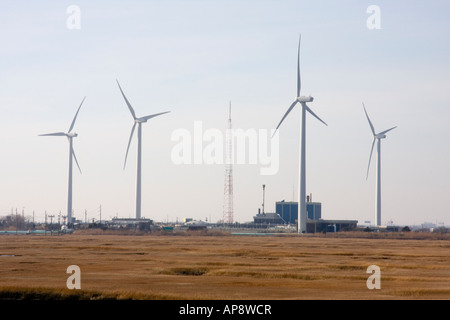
pixel 299 82
pixel 370 157
pixel 54 134
pixel 128 103
pixel 152 116
pixel 129 142
pixel 76 114
pixel 370 122
pixel 310 111
pixel 76 161
pixel 285 115
pixel 386 131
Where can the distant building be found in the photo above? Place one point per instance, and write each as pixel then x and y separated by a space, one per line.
pixel 129 221
pixel 268 218
pixel 143 224
pixel 196 225
pixel 313 226
pixel 288 211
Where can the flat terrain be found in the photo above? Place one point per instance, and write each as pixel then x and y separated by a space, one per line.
pixel 224 267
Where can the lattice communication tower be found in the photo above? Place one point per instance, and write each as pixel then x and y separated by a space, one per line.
pixel 228 186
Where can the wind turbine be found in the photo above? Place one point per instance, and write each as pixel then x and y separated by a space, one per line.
pixel 139 122
pixel 70 135
pixel 377 137
pixel 302 159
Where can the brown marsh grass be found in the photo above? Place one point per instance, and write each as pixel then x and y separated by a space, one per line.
pixel 221 266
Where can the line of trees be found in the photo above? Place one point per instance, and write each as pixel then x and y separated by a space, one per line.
pixel 19 222
pixel 13 221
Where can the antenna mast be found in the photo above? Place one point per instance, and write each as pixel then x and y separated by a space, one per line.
pixel 228 186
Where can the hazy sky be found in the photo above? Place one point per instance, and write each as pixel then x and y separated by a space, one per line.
pixel 192 58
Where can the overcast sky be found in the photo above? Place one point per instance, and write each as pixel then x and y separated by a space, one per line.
pixel 192 58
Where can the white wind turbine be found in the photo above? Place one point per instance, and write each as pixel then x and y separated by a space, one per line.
pixel 139 122
pixel 378 137
pixel 302 159
pixel 70 135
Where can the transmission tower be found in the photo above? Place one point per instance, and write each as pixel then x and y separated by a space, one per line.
pixel 228 186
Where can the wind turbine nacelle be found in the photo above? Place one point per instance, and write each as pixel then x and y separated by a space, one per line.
pixel 305 99
pixel 73 135
pixel 140 120
pixel 381 136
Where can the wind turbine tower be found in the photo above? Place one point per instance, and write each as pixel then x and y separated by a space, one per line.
pixel 302 157
pixel 377 137
pixel 228 186
pixel 70 135
pixel 139 122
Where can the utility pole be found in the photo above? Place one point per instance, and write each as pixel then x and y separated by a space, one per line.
pixel 51 222
pixel 100 214
pixel 264 187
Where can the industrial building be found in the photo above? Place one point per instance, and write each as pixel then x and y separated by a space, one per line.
pixel 130 223
pixel 287 214
pixel 270 218
pixel 313 226
pixel 288 211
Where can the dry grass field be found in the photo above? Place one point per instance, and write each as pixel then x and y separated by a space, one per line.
pixel 222 267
